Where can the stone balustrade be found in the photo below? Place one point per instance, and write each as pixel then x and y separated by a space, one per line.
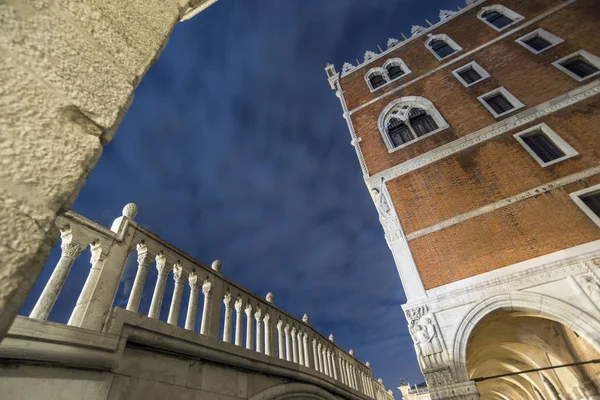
pixel 229 312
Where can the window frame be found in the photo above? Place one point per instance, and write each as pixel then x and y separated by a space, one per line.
pixel 398 62
pixel 559 142
pixel 411 101
pixel 475 66
pixel 373 71
pixel 589 57
pixel 544 34
pixel 576 197
pixel 507 12
pixel 383 70
pixel 507 95
pixel 445 38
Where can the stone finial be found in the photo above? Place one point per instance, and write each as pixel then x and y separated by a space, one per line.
pixel 351 352
pixel 380 381
pixel 305 319
pixel 270 297
pixel 416 29
pixel 390 392
pixel 347 67
pixel 130 210
pixel 445 14
pixel 392 42
pixel 368 364
pixel 332 338
pixel 216 265
pixel 369 55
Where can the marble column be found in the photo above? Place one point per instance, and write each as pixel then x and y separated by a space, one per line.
pixel 280 340
pixel 159 288
pixel 320 355
pixel 228 319
pixel 306 350
pixel 207 306
pixel 249 330
pixel 259 330
pixel 300 351
pixel 190 318
pixel 97 262
pixel 177 293
pixel 239 322
pixel 288 345
pixel 144 260
pixel 267 325
pixel 70 250
pixel 315 355
pixel 294 345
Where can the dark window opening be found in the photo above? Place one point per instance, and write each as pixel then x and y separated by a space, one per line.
pixel 441 48
pixel 499 103
pixel 419 124
pixel 580 67
pixel 592 200
pixel 497 19
pixel 469 75
pixel 395 71
pixel 377 81
pixel 537 43
pixel 399 132
pixel 542 146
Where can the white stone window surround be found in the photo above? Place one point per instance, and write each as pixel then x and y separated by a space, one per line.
pixel 515 17
pixel 544 34
pixel 589 57
pixel 478 68
pixel 448 41
pixel 507 95
pixel 576 196
pixel 410 102
pixel 554 138
pixel 383 71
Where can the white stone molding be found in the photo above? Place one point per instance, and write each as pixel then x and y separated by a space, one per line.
pixel 444 38
pixel 228 320
pixel 376 71
pixel 392 42
pixel 239 321
pixel 508 201
pixel 347 67
pixel 507 12
pixel 179 278
pixel 159 288
pixel 476 67
pixel 544 34
pixel 417 30
pixel 395 62
pixel 369 55
pixel 561 144
pixel 383 71
pixel 489 132
pixel 587 56
pixel 190 320
pixel 576 197
pixel 445 14
pixel 400 109
pixel 144 260
pixel 507 95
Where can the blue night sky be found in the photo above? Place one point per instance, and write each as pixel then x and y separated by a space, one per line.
pixel 235 149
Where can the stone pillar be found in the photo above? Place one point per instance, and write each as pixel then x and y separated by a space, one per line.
pixel 144 260
pixel 207 307
pixel 300 351
pixel 330 363
pixel 190 320
pixel 249 335
pixel 341 369
pixel 326 362
pixel 177 293
pixel 280 340
pixel 315 355
pixel 228 317
pixel 288 345
pixel 268 335
pixel 320 355
pixel 239 322
pixel 159 289
pixel 306 351
pixel 70 250
pixel 97 261
pixel 259 330
pixel 294 345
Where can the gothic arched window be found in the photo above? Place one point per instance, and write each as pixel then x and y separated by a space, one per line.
pixel 409 119
pixel 499 17
pixel 376 78
pixel 442 46
pixel 395 68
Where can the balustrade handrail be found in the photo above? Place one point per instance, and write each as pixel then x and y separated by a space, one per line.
pixel 277 332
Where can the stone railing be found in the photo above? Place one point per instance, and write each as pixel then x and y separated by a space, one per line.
pixel 248 321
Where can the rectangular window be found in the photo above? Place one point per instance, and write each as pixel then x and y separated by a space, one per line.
pixel 539 40
pixel 442 48
pixel 400 134
pixel 544 145
pixel 500 102
pixel 469 75
pixel 589 201
pixel 579 66
pixel 423 124
pixel 537 43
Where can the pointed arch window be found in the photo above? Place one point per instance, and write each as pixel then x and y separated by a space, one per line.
pixel 409 119
pixel 499 17
pixel 392 69
pixel 442 46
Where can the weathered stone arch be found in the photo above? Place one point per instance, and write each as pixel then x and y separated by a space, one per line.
pixel 294 391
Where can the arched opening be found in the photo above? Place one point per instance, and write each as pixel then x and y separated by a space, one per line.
pixel 526 355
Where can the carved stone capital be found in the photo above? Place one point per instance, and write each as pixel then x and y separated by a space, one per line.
pixel 193 280
pixel 227 300
pixel 279 325
pixel 161 264
pixel 248 310
pixel 97 254
pixel 70 248
pixel 178 275
pixel 286 329
pixel 319 346
pixel 314 342
pixel 239 304
pixel 207 288
pixel 258 314
pixel 266 318
pixel 293 332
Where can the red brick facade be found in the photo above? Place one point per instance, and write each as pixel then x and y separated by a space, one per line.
pixel 499 167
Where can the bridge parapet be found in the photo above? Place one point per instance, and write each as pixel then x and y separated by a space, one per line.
pixel 229 315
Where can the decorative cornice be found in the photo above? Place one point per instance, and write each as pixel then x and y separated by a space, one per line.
pixel 489 132
pixel 565 180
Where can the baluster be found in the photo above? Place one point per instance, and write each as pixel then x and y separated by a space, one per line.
pixel 334 365
pixel 300 352
pixel 280 339
pixel 267 325
pixel 315 355
pixel 159 289
pixel 347 373
pixel 97 261
pixel 327 360
pixel 70 250
pixel 320 356
pixel 190 320
pixel 228 317
pixel 177 293
pixel 206 309
pixel 249 335
pixel 356 382
pixel 342 377
pixel 288 349
pixel 144 260
pixel 239 327
pixel 306 350
pixel 330 363
pixel 259 330
pixel 294 345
